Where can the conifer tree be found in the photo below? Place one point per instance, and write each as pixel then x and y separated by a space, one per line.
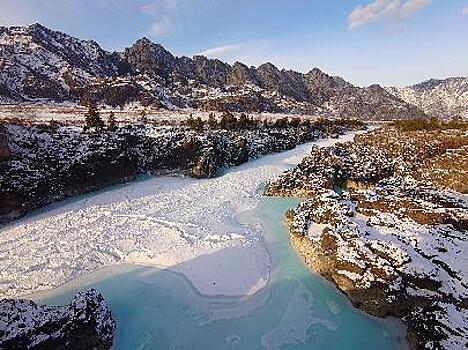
pixel 228 121
pixel 198 126
pixel 53 125
pixel 112 125
pixel 242 123
pixel 93 118
pixel 212 123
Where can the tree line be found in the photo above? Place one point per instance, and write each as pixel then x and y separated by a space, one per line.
pixel 227 121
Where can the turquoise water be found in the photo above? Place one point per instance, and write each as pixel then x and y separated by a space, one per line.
pixel 158 309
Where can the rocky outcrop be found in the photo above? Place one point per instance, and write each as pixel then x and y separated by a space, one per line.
pixel 149 75
pixel 389 232
pixel 48 164
pixel 84 324
pixel 148 58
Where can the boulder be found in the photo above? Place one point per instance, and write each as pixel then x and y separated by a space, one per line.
pixel 86 323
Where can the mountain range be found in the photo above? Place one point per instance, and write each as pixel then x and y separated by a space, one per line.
pixel 39 64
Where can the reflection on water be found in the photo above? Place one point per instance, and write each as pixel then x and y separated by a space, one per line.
pixel 158 309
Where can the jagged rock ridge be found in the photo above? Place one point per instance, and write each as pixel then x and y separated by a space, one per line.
pixel 37 63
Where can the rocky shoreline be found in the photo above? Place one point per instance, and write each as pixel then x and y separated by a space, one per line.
pixel 385 219
pixel 86 323
pixel 43 164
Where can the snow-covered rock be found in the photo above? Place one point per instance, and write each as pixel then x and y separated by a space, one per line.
pixel 86 323
pixel 447 98
pixel 386 233
pixel 48 164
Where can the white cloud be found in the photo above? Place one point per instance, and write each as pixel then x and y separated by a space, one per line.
pixel 464 11
pixel 378 10
pixel 160 27
pixel 221 51
pixel 249 53
pixel 164 14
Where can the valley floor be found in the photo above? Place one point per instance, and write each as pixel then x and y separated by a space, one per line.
pixel 162 222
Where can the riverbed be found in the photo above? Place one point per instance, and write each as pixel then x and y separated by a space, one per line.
pixel 185 263
pixel 159 309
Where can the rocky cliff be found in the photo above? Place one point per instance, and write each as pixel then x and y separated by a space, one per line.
pixel 47 164
pixel 4 148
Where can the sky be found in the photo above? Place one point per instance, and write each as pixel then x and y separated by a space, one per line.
pixel 389 42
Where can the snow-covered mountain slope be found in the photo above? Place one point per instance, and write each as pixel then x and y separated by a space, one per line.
pixel 37 63
pixel 40 64
pixel 446 98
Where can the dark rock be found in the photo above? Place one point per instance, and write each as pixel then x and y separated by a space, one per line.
pixel 84 324
pixel 5 152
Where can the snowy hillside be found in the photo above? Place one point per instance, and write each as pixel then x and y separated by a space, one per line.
pixel 446 98
pixel 38 64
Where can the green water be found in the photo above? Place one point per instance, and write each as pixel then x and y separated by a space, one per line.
pixel 158 309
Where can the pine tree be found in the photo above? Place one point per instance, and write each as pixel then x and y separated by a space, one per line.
pixel 198 126
pixel 112 125
pixel 242 123
pixel 195 123
pixel 281 123
pixel 143 116
pixel 294 122
pixel 93 118
pixel 53 125
pixel 190 121
pixel 212 123
pixel 228 121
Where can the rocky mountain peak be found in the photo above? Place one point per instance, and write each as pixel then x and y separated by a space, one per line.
pixel 38 63
pixel 240 74
pixel 149 58
pixel 268 67
pixel 37 27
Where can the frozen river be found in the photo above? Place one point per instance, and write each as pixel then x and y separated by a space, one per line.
pixel 189 264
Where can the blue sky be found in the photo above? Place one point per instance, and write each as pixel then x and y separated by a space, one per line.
pixel 391 42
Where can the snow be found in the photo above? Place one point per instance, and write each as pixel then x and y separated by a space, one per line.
pixel 188 226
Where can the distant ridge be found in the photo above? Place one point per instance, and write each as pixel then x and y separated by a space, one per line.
pixel 38 64
pixel 438 97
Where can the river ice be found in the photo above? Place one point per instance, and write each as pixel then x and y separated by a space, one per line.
pixel 188 226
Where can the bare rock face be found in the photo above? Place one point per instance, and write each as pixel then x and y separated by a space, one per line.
pixel 84 324
pixel 5 152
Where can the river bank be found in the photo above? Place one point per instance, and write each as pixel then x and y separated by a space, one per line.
pixel 385 219
pixel 44 164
